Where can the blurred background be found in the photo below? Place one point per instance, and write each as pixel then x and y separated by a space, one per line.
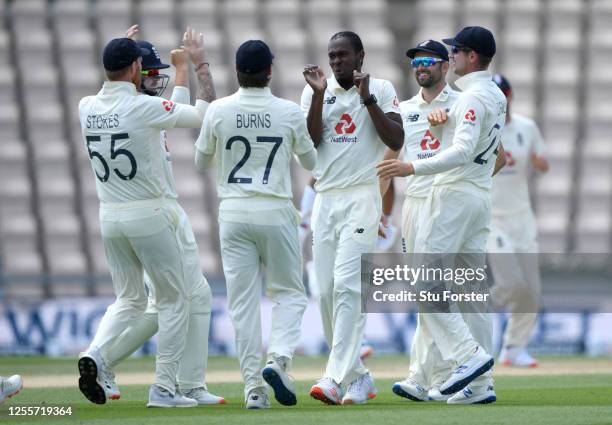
pixel 54 281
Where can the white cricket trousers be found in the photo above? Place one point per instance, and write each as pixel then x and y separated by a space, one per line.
pixel 455 220
pixel 344 225
pixel 427 366
pixel 255 243
pixel 192 367
pixel 517 277
pixel 147 236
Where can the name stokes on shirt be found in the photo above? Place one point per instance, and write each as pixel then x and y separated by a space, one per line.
pixel 253 121
pixel 103 122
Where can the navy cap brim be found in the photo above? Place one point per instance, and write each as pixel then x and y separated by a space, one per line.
pixel 410 53
pixel 159 66
pixel 451 42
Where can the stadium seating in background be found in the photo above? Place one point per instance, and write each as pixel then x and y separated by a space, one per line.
pixel 555 53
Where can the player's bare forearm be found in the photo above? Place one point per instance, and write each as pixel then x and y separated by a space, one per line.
pixel 182 75
pixel 500 161
pixel 206 87
pixel 385 183
pixel 314 120
pixel 540 163
pixel 388 126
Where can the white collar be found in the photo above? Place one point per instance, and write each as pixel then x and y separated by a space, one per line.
pixel 472 78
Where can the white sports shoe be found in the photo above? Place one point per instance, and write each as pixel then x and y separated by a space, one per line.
pixel 479 363
pixel 410 389
pixel 434 394
pixel 327 391
pixel 360 390
pixel 516 357
pixel 258 399
pixel 483 395
pixel 203 397
pixel 160 397
pixel 97 382
pixel 274 373
pixel 10 387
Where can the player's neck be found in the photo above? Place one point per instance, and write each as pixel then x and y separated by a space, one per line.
pixel 508 115
pixel 430 93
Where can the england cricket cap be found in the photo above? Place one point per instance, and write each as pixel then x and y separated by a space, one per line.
pixel 150 56
pixel 429 46
pixel 253 56
pixel 120 53
pixel 503 83
pixel 478 39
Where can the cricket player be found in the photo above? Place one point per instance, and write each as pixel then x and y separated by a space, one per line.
pixel 143 227
pixel 251 137
pixel 457 212
pixel 430 62
pixel 514 231
pixel 192 367
pixel 351 118
pixel 10 387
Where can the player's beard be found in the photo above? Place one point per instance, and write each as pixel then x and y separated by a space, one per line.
pixel 426 79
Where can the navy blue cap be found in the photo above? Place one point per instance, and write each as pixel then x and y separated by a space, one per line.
pixel 253 56
pixel 150 56
pixel 429 46
pixel 120 53
pixel 503 83
pixel 478 39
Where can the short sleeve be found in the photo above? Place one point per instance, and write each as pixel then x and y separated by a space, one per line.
pixel 306 100
pixel 207 140
pixel 388 100
pixel 159 112
pixel 302 142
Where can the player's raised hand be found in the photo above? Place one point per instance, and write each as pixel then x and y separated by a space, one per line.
pixel 193 43
pixel 315 77
pixel 179 58
pixel 437 117
pixel 362 82
pixel 132 32
pixel 394 168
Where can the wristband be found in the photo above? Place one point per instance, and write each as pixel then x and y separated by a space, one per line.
pixel 201 65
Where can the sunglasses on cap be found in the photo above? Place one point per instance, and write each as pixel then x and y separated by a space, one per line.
pixel 149 72
pixel 425 62
pixel 457 49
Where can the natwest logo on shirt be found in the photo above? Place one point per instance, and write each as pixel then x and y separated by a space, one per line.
pixel 429 145
pixel 346 125
pixel 429 142
pixel 471 115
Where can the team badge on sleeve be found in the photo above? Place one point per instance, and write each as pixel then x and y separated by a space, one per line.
pixel 168 105
pixel 471 115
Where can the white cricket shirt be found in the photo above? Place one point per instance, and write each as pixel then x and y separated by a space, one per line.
pixel 350 146
pixel 521 139
pixel 253 135
pixel 419 141
pixel 121 131
pixel 472 134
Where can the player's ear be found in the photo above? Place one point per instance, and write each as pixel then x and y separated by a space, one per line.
pixel 445 66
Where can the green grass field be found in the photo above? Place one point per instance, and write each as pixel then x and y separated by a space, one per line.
pixel 576 399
